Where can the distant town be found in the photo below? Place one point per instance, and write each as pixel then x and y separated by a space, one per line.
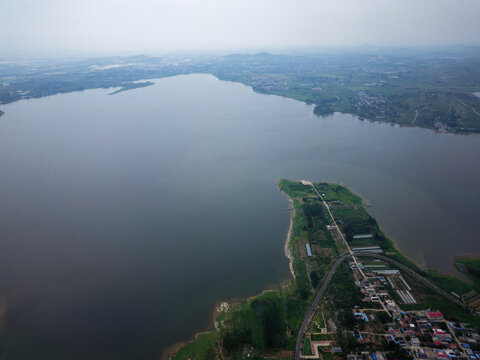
pixel 435 89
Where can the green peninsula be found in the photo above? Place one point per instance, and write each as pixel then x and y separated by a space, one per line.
pixel 352 293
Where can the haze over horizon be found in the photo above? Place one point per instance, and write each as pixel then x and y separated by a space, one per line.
pixel 73 27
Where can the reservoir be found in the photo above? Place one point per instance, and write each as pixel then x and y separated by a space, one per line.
pixel 125 218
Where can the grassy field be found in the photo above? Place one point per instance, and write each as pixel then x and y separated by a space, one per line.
pixel 472 264
pixel 202 348
pixel 307 350
pixel 319 318
pixel 362 242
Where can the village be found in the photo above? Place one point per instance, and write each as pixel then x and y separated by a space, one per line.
pixel 390 319
pixel 382 323
pixel 353 296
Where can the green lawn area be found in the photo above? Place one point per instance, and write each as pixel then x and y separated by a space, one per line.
pixel 319 318
pixel 472 263
pixel 450 283
pixel 201 348
pixel 368 261
pixel 321 337
pixel 307 350
pixel 334 192
pixel 363 242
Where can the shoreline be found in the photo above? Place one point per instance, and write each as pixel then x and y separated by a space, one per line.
pixel 463 276
pixel 367 204
pixel 422 265
pixel 171 351
pixel 287 251
pixel 460 275
pixel 419 263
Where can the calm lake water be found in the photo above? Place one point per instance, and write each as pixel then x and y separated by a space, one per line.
pixel 124 218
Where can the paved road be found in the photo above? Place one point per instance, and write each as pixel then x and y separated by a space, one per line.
pixel 307 319
pixel 346 244
pixel 417 276
pixel 320 293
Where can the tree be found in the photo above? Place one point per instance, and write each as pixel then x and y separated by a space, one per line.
pixel 315 278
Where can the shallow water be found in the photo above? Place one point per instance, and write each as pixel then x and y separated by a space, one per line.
pixel 124 218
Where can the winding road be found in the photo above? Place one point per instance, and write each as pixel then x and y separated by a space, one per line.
pixel 323 288
pixel 417 276
pixel 309 315
pixel 320 293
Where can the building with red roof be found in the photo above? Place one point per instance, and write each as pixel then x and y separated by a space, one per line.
pixel 434 315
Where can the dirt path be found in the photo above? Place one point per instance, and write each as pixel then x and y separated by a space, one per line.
pixel 415 118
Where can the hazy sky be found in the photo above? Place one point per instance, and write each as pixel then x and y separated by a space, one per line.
pixel 156 26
